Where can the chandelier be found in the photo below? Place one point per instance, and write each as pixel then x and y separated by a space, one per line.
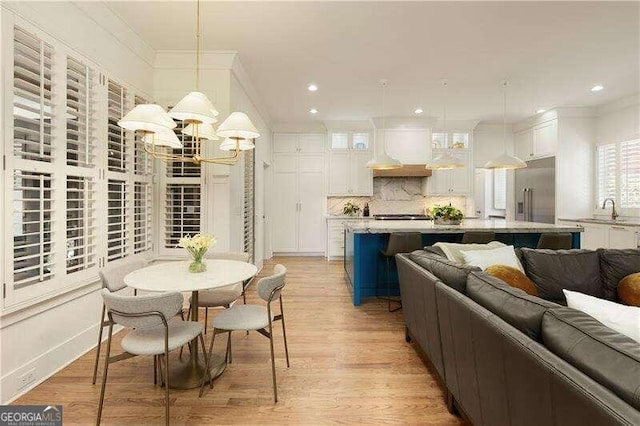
pixel 197 114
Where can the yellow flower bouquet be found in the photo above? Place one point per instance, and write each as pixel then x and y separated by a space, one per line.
pixel 197 246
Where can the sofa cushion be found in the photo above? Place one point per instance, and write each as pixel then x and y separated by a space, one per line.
pixel 435 250
pixel 616 264
pixel 629 289
pixel 606 356
pixel 452 251
pixel 514 277
pixel 513 305
pixel 555 270
pixel 451 273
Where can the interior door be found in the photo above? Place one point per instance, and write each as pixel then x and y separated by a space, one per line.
pixel 311 221
pixel 284 218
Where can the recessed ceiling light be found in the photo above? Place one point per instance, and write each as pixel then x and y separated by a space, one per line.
pixel 597 88
pixel 418 111
pixel 540 111
pixel 312 88
pixel 313 111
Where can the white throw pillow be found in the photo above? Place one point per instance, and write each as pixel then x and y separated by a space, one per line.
pixel 621 318
pixel 499 256
pixel 452 250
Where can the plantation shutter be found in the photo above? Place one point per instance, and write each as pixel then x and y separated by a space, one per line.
pixel 142 217
pixel 182 212
pixel 499 189
pixel 141 160
pixel 81 224
pixel 249 203
pixel 117 212
pixel 80 146
pixel 117 160
pixel 32 115
pixel 630 174
pixel 607 171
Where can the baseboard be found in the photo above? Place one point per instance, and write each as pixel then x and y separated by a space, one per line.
pixel 296 253
pixel 49 363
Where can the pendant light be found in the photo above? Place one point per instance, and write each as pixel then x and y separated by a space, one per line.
pixel 382 161
pixel 446 160
pixel 505 161
pixel 198 114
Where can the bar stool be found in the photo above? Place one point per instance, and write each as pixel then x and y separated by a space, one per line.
pixel 399 242
pixel 478 237
pixel 555 241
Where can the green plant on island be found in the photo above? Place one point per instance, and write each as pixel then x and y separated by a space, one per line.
pixel 350 208
pixel 446 213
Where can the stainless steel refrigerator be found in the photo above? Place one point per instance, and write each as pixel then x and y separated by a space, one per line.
pixel 536 191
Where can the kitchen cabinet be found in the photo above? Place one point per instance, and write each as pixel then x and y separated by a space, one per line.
pixel 344 141
pixel 452 182
pixel 335 235
pixel 540 141
pixel 348 173
pixel 298 193
pixel 595 236
pixel 622 237
pixel 601 235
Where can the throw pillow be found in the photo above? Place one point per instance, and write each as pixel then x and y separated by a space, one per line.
pixel 621 318
pixel 452 250
pixel 629 289
pixel 514 277
pixel 555 270
pixel 616 264
pixel 500 256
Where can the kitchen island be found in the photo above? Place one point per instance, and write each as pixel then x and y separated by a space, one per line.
pixel 363 262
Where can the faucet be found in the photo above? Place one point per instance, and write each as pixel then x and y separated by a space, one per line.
pixel 614 213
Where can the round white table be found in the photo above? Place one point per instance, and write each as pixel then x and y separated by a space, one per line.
pixel 175 276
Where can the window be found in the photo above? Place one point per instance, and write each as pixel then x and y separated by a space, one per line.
pixel 117 210
pixel 81 224
pixel 499 189
pixel 249 215
pixel 142 217
pixel 116 136
pixel 79 98
pixel 141 160
pixel 618 173
pixel 182 212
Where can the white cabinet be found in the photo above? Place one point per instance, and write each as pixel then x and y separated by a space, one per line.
pixel 298 195
pixel 595 236
pixel 622 237
pixel 540 141
pixel 348 173
pixel 335 235
pixel 452 182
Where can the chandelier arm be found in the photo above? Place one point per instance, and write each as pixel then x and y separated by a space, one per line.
pixel 164 156
pixel 224 160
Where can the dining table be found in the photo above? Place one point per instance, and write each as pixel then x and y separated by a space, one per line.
pixel 175 276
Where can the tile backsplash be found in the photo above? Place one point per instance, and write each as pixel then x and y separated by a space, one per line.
pixel 397 196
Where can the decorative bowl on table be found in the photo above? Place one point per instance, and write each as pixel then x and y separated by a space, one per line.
pixel 445 215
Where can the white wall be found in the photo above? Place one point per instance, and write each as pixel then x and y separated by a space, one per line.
pixel 47 336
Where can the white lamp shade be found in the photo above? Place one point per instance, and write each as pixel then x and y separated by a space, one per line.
pixel 195 106
pixel 238 125
pixel 166 138
pixel 383 162
pixel 505 161
pixel 147 117
pixel 230 144
pixel 205 131
pixel 445 161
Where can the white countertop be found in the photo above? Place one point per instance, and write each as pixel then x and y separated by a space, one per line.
pixel 619 222
pixel 428 227
pixel 347 217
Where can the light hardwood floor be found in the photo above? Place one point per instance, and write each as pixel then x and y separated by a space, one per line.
pixel 348 365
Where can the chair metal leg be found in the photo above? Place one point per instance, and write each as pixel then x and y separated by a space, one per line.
pixel 206 319
pixel 104 375
pixel 208 364
pixel 155 370
pixel 95 365
pixel 284 332
pixel 389 300
pixel 273 364
pixel 166 385
pixel 229 356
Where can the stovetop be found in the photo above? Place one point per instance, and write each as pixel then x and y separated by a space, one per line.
pixel 401 217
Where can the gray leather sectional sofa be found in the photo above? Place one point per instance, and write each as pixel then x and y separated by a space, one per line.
pixel 507 358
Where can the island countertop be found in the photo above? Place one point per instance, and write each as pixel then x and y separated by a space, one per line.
pixel 428 227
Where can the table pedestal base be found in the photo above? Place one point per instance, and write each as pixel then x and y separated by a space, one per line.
pixel 187 374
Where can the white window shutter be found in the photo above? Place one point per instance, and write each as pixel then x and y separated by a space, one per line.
pixel 81 224
pixel 630 174
pixel 249 203
pixel 117 214
pixel 499 189
pixel 117 155
pixel 142 236
pixel 182 212
pixel 607 172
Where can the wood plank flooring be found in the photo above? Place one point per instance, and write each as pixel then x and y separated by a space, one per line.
pixel 348 366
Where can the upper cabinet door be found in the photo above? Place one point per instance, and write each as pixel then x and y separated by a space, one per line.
pixel 339 167
pixel 545 139
pixel 361 176
pixel 311 143
pixel 461 178
pixel 524 145
pixel 285 142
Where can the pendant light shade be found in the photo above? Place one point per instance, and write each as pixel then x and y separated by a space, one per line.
pixel 147 118
pixel 164 138
pixel 445 161
pixel 505 160
pixel 238 125
pixel 195 107
pixel 381 160
pixel 230 144
pixel 205 131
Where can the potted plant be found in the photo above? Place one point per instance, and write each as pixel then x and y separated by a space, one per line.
pixel 446 215
pixel 197 246
pixel 350 209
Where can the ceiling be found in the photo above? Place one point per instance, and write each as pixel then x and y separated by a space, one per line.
pixel 551 53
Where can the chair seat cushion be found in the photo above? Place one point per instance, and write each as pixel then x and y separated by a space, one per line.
pixel 150 341
pixel 242 317
pixel 222 296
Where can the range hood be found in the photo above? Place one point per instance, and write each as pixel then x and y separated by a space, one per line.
pixel 408 170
